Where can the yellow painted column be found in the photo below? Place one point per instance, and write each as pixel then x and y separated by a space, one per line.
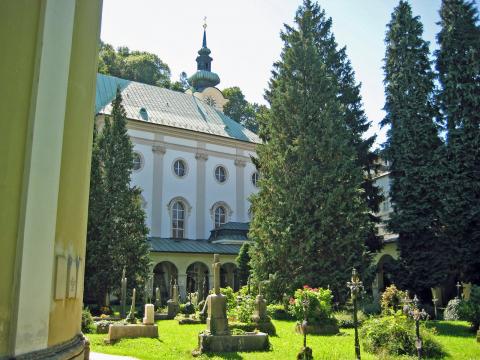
pixel 48 69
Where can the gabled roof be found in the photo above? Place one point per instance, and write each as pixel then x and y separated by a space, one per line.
pixel 191 246
pixel 169 108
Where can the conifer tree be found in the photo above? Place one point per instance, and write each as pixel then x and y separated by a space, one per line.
pixel 354 118
pixel 243 262
pixel 118 234
pixel 98 262
pixel 309 217
pixel 458 66
pixel 412 142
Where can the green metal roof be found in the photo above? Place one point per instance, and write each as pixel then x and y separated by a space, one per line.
pixel 169 108
pixel 190 246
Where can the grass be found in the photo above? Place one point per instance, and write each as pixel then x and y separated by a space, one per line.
pixel 177 341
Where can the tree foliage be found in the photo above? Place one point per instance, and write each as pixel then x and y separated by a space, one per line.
pixel 458 66
pixel 411 147
pixel 116 235
pixel 138 66
pixel 243 262
pixel 240 110
pixel 310 218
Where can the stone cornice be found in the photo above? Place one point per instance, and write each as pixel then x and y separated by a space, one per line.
pixel 190 134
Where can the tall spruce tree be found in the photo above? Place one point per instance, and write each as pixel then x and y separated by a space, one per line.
pixel 458 66
pixel 117 230
pixel 353 115
pixel 309 217
pixel 98 261
pixel 412 142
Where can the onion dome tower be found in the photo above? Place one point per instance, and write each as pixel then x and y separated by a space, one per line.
pixel 203 83
pixel 204 77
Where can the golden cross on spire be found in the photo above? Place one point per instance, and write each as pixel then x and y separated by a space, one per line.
pixel 205 23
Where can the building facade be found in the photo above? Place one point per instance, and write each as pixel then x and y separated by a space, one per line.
pixel 194 166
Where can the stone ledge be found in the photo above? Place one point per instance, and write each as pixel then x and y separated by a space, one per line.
pixel 116 332
pixel 71 349
pixel 233 343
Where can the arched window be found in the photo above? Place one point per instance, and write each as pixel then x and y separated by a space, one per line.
pixel 178 220
pixel 220 216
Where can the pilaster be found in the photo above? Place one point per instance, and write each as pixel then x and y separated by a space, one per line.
pixel 157 189
pixel 240 189
pixel 202 158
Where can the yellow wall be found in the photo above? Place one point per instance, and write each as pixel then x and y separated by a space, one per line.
pixel 75 166
pixel 19 21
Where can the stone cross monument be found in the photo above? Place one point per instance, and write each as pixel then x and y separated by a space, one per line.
pixel 217 323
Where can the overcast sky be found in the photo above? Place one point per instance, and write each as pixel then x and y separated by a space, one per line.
pixel 243 36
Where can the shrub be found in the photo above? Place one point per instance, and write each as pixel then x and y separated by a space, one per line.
pixel 392 299
pixel 470 309
pixel 87 322
pixel 395 335
pixel 244 308
pixel 345 318
pixel 188 308
pixel 452 311
pixel 231 301
pixel 371 308
pixel 319 308
pixel 278 312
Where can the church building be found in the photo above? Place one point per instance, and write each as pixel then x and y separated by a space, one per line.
pixel 194 166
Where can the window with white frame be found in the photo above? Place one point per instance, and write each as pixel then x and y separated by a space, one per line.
pixel 220 174
pixel 137 161
pixel 178 220
pixel 255 178
pixel 220 216
pixel 180 168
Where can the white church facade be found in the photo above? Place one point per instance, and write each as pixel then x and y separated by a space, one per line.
pixel 194 166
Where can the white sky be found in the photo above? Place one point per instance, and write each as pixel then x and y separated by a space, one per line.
pixel 243 36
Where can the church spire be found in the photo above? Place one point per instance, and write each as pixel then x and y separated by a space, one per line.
pixel 204 77
pixel 204 42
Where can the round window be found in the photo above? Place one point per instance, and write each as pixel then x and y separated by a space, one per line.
pixel 220 174
pixel 180 168
pixel 255 178
pixel 137 161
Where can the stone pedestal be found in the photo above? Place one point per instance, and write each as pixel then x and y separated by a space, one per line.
pixel 260 311
pixel 173 308
pixel 149 318
pixel 260 318
pixel 232 343
pixel 217 323
pixel 119 331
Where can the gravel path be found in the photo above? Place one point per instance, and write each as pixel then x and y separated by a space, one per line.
pixel 100 356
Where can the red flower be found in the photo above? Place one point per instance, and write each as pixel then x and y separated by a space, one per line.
pixel 306 287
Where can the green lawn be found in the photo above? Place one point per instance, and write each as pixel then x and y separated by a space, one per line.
pixel 177 341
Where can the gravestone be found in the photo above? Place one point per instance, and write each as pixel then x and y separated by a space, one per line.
pixel 123 295
pixel 260 317
pixel 158 300
pixel 217 323
pixel 173 305
pixel 131 315
pixel 217 337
